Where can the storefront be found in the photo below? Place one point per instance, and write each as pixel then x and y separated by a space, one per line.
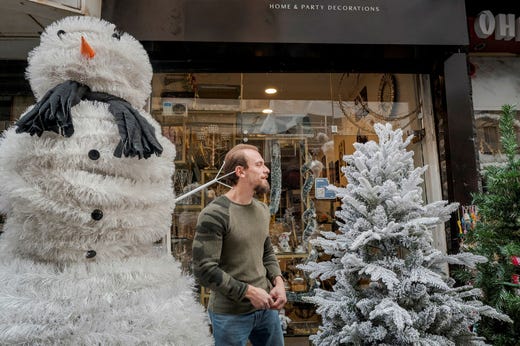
pixel 494 50
pixel 338 67
pixel 494 32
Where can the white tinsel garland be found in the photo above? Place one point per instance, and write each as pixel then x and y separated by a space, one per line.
pixel 78 265
pixel 276 178
pixel 139 301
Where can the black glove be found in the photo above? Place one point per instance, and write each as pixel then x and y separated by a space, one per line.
pixel 137 135
pixel 52 112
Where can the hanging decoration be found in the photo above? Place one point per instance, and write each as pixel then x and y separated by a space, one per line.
pixel 467 219
pixel 386 94
pixel 310 170
pixel 212 141
pixel 276 178
pixel 386 102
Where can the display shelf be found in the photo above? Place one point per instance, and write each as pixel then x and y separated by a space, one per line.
pixel 290 255
pixel 180 207
pixel 298 297
pixel 302 328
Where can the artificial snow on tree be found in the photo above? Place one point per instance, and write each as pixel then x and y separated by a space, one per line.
pixel 388 287
pixel 497 237
pixel 85 182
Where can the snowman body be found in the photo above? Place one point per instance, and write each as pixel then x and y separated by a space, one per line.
pixel 78 264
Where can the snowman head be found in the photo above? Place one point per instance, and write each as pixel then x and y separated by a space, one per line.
pixel 93 52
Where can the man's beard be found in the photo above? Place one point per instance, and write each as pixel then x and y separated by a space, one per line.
pixel 262 188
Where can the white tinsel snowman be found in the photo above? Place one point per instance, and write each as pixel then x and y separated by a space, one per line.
pixel 85 181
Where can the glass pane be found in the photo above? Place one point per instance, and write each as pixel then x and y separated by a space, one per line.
pixel 313 118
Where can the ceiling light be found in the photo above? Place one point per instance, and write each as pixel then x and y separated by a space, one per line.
pixel 267 111
pixel 271 91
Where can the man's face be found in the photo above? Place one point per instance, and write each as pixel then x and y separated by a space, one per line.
pixel 257 172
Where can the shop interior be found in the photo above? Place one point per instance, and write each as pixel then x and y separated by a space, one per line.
pixel 303 124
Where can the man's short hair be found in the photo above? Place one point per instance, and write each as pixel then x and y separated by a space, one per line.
pixel 236 157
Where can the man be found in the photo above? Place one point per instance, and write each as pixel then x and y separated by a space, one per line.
pixel 233 256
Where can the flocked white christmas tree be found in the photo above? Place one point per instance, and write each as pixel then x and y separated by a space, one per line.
pixel 388 286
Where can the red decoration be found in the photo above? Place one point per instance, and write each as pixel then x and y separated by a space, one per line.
pixel 515 278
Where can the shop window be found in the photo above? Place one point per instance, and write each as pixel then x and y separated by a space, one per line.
pixel 489 143
pixel 313 120
pixel 488 136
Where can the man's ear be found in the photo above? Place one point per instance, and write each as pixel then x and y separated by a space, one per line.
pixel 239 171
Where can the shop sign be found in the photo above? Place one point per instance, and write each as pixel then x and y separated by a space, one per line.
pixel 505 26
pixel 321 190
pixel 402 22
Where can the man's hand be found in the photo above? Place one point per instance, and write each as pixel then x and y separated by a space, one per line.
pixel 259 298
pixel 278 294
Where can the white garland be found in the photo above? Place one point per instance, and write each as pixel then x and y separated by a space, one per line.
pixel 276 178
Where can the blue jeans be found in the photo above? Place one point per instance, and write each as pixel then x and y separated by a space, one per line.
pixel 262 328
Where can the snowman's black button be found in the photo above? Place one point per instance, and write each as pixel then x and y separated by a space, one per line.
pixel 91 254
pixel 93 154
pixel 97 214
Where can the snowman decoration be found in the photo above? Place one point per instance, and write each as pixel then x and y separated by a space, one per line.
pixel 85 182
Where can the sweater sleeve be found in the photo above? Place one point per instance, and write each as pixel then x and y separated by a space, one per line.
pixel 270 261
pixel 207 246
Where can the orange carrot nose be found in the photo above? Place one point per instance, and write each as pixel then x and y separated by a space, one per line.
pixel 86 50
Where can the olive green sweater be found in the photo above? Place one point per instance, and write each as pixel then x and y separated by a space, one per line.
pixel 232 249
